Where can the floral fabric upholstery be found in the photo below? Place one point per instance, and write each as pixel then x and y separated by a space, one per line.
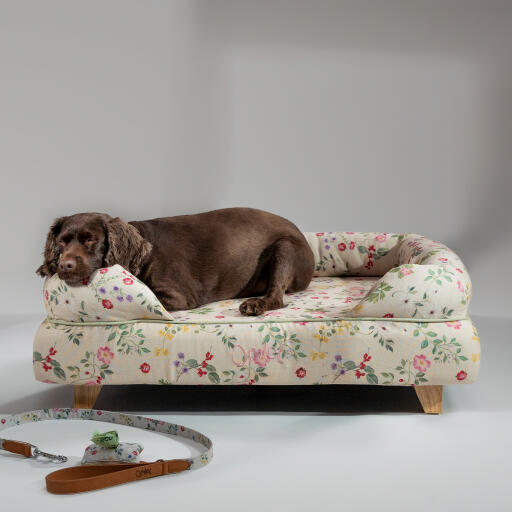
pixel 124 452
pixel 112 294
pixel 420 278
pixel 381 309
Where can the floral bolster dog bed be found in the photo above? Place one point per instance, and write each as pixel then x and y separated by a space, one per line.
pixel 382 308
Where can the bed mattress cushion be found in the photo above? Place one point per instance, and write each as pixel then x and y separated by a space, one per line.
pixel 381 309
pixel 112 297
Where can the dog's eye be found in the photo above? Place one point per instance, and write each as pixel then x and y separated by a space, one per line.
pixel 87 239
pixel 63 240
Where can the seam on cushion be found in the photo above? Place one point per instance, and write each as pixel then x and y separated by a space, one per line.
pixel 274 321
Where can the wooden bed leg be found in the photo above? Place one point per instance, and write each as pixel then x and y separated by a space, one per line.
pixel 431 398
pixel 84 397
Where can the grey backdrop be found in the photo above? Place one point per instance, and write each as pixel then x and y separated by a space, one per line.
pixel 390 115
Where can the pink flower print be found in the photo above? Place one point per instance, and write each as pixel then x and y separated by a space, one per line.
pixel 103 270
pixel 347 300
pixel 405 271
pixel 456 325
pixel 46 294
pixel 459 270
pixel 342 246
pixel 443 260
pixel 381 237
pixel 460 287
pixel 357 291
pixel 260 357
pixel 127 281
pixel 352 246
pixel 273 313
pixel 462 375
pixel 421 363
pixel 105 355
pixel 320 234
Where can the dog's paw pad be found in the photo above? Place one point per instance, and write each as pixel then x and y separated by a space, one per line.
pixel 253 307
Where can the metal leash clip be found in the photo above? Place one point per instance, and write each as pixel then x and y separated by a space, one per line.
pixel 59 459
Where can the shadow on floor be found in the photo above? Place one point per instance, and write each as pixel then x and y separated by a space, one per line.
pixel 54 396
pixel 234 399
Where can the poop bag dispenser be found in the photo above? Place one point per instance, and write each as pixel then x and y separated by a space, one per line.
pixel 107 449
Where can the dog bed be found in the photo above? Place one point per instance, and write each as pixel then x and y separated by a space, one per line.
pixel 382 308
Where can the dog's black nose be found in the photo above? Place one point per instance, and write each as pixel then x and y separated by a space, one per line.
pixel 67 265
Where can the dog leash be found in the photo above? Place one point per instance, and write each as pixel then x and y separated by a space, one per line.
pixel 99 476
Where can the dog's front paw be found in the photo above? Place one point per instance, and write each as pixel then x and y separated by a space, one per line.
pixel 253 307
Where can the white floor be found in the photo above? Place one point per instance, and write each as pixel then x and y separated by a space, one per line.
pixel 458 461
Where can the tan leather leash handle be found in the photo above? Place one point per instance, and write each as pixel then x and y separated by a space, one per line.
pixel 91 477
pixel 98 476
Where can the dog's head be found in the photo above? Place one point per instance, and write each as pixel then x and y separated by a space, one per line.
pixel 78 245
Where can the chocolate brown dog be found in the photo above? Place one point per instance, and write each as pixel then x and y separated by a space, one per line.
pixel 188 260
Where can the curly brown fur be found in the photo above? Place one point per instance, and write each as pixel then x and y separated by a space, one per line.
pixel 125 246
pixel 51 250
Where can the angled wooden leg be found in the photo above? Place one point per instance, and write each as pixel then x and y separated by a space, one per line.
pixel 431 398
pixel 84 397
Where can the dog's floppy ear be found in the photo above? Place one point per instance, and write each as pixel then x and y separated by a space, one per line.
pixel 51 250
pixel 126 246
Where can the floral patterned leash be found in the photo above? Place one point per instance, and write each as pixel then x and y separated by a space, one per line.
pixel 86 478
